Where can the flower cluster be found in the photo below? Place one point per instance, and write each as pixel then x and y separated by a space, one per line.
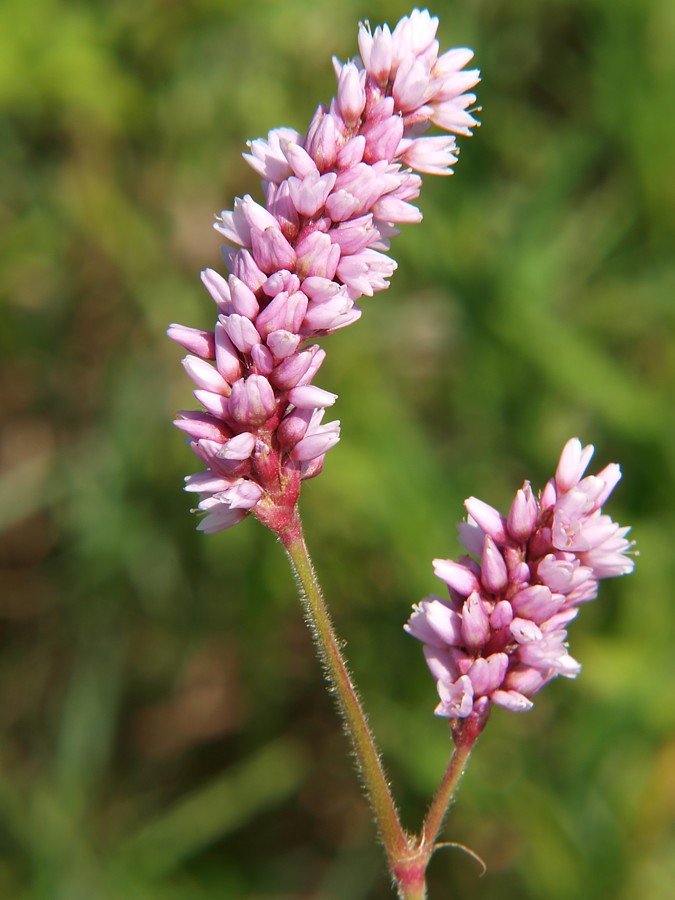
pixel 299 263
pixel 501 635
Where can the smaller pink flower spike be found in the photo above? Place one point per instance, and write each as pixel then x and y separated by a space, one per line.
pixel 301 258
pixel 501 637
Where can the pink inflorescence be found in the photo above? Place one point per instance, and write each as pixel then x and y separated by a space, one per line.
pixel 298 264
pixel 501 635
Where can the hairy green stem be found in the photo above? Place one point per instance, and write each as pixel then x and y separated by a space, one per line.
pixel 408 856
pixel 370 765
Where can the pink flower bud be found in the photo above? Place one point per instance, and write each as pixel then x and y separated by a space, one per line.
pixel 456 576
pixel 309 194
pixel 311 397
pixel 283 209
pixel 322 140
pixel 298 369
pixel 317 255
pixel 218 288
pixel 376 52
pixel 267 157
pixel 502 615
pixel 488 518
pixel 430 155
pixel 487 674
pixel 194 340
pixel 283 343
pixel 300 160
pixel 283 313
pixel 475 622
pixel 318 438
pixel 202 426
pixel 252 400
pixel 366 272
pixel 352 152
pixel 412 88
pixel 262 359
pixel 351 94
pixel 537 602
pixel 238 448
pixel 228 361
pixel 244 301
pixel 271 249
pixel 511 700
pixel 293 427
pixel 245 267
pixel 494 574
pixel 205 376
pixel 241 332
pixel 523 514
pixel 573 462
pixel 215 404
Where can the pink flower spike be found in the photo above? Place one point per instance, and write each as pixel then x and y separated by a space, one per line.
pixel 302 258
pixel 532 577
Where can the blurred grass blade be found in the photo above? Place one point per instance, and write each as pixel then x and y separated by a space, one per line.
pixel 210 812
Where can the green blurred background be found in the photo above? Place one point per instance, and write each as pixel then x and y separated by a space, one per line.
pixel 164 732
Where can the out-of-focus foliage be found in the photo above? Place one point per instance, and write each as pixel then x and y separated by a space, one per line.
pixel 164 732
